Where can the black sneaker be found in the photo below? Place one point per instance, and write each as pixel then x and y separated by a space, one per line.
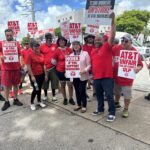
pixel 5 106
pixel 117 105
pixel 147 97
pixel 17 102
pixel 71 101
pixel 2 98
pixel 65 102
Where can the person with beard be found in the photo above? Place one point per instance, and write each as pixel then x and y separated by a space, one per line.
pixel 102 70
pixel 10 72
pixel 124 85
pixel 48 50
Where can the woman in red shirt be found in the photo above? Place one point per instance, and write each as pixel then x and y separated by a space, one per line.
pixel 59 60
pixel 37 73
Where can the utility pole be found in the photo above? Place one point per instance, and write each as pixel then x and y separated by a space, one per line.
pixel 33 10
pixel 30 5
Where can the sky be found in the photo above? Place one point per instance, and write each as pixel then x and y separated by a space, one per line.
pixel 48 10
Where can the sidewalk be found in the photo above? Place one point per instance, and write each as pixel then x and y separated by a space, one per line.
pixel 136 126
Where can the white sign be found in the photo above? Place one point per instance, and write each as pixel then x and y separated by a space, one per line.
pixel 72 65
pixel 75 32
pixel 32 27
pixel 65 30
pixel 10 51
pixel 98 11
pixel 127 62
pixel 92 29
pixel 14 25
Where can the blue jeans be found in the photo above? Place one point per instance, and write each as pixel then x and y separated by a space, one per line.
pixel 105 85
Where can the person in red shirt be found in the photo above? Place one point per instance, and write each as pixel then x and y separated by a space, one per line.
pixel 48 49
pixel 102 70
pixel 124 85
pixel 59 60
pixel 10 70
pixel 37 73
pixel 88 46
pixel 24 56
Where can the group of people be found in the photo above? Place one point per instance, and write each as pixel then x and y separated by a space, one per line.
pixel 99 58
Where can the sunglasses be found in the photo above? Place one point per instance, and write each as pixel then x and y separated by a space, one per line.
pixel 125 41
pixel 37 45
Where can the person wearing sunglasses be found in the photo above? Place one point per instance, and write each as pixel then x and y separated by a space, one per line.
pixel 37 73
pixel 124 85
pixel 48 50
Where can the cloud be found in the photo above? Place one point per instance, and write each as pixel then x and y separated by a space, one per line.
pixel 122 5
pixel 45 18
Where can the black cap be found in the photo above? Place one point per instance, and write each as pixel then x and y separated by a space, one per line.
pixel 48 36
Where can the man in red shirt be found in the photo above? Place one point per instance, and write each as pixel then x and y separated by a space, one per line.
pixel 102 70
pixel 10 70
pixel 124 85
pixel 48 49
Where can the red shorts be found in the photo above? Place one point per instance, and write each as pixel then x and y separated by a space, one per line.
pixel 10 77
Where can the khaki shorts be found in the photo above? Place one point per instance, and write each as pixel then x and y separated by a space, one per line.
pixel 125 90
pixel 53 78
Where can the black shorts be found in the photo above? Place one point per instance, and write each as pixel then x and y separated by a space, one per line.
pixel 61 76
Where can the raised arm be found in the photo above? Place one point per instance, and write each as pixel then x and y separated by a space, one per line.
pixel 113 29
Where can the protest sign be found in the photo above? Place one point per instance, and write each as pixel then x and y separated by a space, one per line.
pixel 92 29
pixel 75 32
pixel 14 25
pixel 10 51
pixel 64 27
pixel 127 62
pixel 44 31
pixel 72 65
pixel 98 11
pixel 32 27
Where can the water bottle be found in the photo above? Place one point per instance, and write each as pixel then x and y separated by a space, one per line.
pixel 36 86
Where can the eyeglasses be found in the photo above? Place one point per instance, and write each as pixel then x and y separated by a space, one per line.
pixel 126 41
pixel 37 45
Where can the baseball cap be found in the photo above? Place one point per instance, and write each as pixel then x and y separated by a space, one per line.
pixel 48 36
pixel 127 36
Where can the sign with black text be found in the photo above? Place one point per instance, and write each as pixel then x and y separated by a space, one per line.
pixel 72 65
pixel 10 51
pixel 98 12
pixel 127 62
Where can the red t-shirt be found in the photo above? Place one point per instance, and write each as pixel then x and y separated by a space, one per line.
pixel 59 56
pixel 102 62
pixel 25 53
pixel 88 48
pixel 10 65
pixel 120 80
pixel 36 61
pixel 48 52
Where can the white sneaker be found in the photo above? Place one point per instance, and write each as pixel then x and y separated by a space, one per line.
pixel 33 107
pixel 54 98
pixel 42 104
pixel 45 98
